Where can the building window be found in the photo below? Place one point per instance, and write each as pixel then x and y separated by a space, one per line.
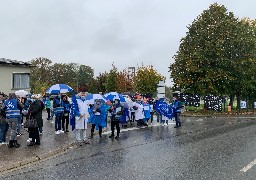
pixel 20 81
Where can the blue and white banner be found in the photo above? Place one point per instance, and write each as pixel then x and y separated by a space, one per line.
pixel 164 109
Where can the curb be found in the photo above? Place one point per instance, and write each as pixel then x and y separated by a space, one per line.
pixel 35 159
pixel 219 116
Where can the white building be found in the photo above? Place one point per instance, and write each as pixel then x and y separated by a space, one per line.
pixel 14 75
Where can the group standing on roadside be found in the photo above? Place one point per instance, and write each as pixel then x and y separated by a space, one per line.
pixel 13 110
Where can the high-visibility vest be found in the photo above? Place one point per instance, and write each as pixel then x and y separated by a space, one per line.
pixel 12 110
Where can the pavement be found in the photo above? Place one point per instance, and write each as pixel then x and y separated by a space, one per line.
pixel 53 145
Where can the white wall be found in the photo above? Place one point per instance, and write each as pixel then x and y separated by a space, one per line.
pixel 6 77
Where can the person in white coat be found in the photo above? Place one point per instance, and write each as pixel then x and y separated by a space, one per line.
pixel 81 120
pixel 139 114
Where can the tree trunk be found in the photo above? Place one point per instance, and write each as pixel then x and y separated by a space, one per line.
pixel 231 103
pixel 238 103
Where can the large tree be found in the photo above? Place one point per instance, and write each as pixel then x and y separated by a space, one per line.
pixel 214 54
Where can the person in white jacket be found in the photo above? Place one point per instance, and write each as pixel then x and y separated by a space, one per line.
pixel 81 120
pixel 139 114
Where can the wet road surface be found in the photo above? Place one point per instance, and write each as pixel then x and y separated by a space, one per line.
pixel 203 148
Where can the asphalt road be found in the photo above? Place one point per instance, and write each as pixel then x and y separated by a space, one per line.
pixel 208 148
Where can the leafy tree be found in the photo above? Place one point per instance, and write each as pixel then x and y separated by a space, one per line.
pixel 146 80
pixel 101 82
pixel 40 73
pixel 85 77
pixel 123 82
pixel 215 54
pixel 111 84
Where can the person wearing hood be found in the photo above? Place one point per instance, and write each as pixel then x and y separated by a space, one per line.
pixel 97 117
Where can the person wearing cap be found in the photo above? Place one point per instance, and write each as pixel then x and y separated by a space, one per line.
pixel 35 112
pixel 12 109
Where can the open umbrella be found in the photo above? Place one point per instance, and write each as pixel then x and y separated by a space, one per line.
pixel 21 93
pixel 114 95
pixel 59 88
pixel 90 98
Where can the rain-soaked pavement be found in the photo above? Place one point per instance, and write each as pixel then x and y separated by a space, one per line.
pixel 203 148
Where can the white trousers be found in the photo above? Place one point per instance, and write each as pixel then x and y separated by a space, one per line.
pixel 80 135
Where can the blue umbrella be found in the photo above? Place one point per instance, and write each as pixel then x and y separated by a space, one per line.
pixel 92 97
pixel 59 88
pixel 114 95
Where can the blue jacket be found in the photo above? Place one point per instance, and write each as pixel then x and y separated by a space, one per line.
pixel 177 106
pixel 98 120
pixel 147 112
pixel 66 106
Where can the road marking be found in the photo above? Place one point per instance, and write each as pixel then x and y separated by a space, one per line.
pixel 249 166
pixel 134 128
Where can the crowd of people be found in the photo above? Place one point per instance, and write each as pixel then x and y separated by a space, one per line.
pixel 76 113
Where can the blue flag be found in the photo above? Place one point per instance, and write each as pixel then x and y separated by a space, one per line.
pixel 74 110
pixel 164 109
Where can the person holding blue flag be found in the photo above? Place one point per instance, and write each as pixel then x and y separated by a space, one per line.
pixel 177 110
pixel 97 112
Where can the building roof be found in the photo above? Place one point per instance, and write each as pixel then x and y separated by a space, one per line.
pixel 14 62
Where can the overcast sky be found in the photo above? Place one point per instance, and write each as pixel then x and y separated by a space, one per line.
pixel 99 32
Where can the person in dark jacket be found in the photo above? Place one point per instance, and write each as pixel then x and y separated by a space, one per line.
pixel 116 111
pixel 35 112
pixel 65 117
pixel 3 123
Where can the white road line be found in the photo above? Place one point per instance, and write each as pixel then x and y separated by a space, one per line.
pixel 249 166
pixel 134 128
